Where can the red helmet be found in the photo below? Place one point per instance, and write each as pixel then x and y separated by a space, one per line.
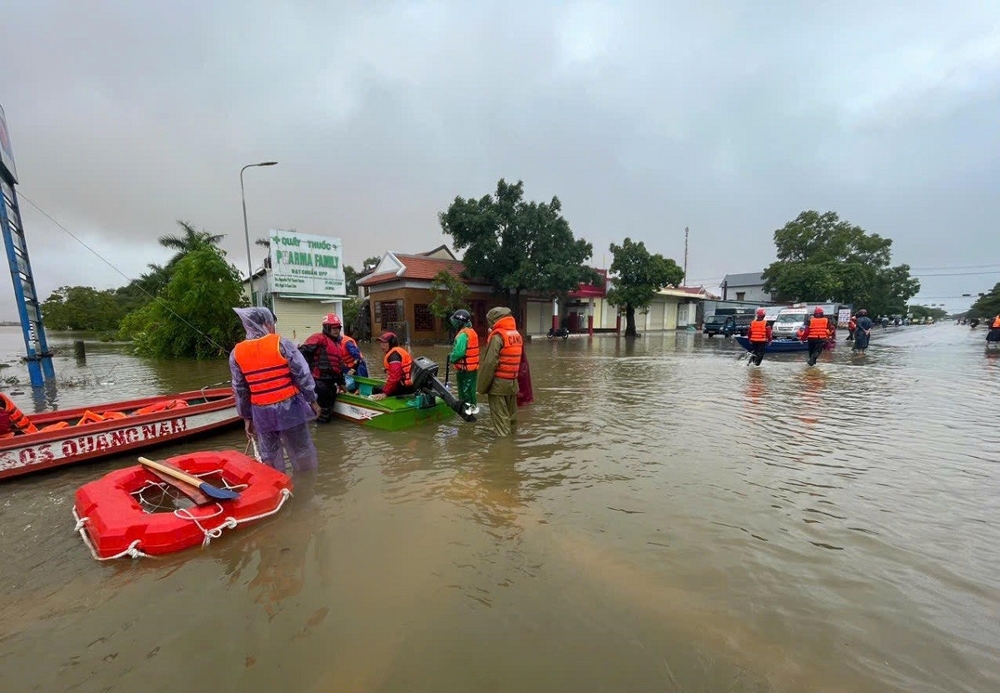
pixel 333 320
pixel 761 313
pixel 818 312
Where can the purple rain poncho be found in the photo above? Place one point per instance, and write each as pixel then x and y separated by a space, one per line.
pixel 284 424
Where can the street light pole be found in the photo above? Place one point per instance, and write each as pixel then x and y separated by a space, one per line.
pixel 246 229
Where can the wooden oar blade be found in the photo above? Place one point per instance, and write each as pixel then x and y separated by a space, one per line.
pixel 205 487
pixel 218 493
pixel 192 492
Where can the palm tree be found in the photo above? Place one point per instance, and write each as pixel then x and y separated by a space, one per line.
pixel 190 240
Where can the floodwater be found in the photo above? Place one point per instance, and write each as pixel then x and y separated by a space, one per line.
pixel 666 519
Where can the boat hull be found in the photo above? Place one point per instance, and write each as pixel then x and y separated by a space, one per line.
pixel 205 411
pixel 778 346
pixel 391 413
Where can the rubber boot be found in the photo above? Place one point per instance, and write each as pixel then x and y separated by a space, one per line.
pixel 325 415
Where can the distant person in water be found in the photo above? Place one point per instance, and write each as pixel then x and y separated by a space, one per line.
pixel 862 332
pixel 275 392
pixel 994 334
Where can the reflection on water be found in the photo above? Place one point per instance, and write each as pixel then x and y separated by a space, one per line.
pixel 667 518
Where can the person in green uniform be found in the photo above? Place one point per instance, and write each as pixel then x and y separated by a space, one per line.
pixel 465 357
pixel 499 368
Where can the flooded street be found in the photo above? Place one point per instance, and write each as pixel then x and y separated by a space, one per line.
pixel 666 519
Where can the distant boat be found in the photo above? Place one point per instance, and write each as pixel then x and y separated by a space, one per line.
pixel 70 436
pixel 779 346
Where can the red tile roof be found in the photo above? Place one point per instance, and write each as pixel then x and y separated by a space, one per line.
pixel 415 267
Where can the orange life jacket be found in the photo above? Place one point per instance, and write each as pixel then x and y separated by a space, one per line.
pixel 758 330
pixel 266 370
pixel 469 362
pixel 407 363
pixel 996 323
pixel 819 328
pixel 510 349
pixel 349 360
pixel 20 423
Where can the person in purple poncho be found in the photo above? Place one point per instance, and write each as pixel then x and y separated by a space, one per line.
pixel 275 392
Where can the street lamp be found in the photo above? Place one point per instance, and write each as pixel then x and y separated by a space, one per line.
pixel 246 230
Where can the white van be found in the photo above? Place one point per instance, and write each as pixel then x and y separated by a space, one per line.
pixel 788 323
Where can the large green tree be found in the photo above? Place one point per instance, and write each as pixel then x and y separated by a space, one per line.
pixel 193 316
pixel 637 275
pixel 517 246
pixel 922 312
pixel 83 308
pixel 987 306
pixel 821 258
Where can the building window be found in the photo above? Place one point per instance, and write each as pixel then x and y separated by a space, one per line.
pixel 741 295
pixel 423 320
pixel 388 312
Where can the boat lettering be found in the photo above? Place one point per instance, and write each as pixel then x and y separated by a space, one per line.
pixel 95 442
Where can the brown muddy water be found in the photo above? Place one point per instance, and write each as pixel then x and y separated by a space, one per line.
pixel 666 519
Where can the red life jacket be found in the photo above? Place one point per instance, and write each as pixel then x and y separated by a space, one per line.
pixel 266 370
pixel 819 328
pixel 407 363
pixel 469 362
pixel 510 350
pixel 758 330
pixel 349 360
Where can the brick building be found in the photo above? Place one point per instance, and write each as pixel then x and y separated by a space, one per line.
pixel 399 292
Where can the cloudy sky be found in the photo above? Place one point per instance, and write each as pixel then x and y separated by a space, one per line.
pixel 728 117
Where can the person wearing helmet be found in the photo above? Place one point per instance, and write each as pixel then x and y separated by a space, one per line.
pixel 862 332
pixel 759 334
pixel 465 357
pixel 275 393
pixel 326 354
pixel 817 334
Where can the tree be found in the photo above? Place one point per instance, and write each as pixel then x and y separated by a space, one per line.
pixel 517 246
pixel 821 258
pixel 83 308
pixel 350 281
pixel 449 294
pixel 638 276
pixel 986 306
pixel 193 317
pixel 189 241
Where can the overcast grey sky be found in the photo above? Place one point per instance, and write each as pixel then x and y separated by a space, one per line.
pixel 643 117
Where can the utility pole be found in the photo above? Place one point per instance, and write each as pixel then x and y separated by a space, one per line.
pixel 684 281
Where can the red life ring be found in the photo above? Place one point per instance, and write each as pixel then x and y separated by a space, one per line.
pixel 116 525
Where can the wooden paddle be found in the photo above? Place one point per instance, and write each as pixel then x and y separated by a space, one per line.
pixel 188 490
pixel 205 487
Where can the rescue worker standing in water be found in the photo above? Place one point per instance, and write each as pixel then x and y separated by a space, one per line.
pixel 498 369
pixel 759 334
pixel 275 393
pixel 818 333
pixel 465 357
pixel 326 352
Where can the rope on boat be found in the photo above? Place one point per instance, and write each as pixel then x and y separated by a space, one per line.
pixel 133 550
pixel 230 522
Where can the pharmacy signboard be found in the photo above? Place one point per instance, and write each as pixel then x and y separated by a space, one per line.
pixel 306 265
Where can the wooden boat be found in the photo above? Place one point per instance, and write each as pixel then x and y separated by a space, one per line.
pixel 391 413
pixel 779 346
pixel 76 435
pixel 132 512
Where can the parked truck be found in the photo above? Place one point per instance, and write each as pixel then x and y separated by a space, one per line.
pixel 728 321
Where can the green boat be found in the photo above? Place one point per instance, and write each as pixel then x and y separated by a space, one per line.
pixel 391 413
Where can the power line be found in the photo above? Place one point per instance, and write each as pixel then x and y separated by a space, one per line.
pixel 112 266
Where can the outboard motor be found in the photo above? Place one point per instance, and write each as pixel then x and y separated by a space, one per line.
pixel 424 372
